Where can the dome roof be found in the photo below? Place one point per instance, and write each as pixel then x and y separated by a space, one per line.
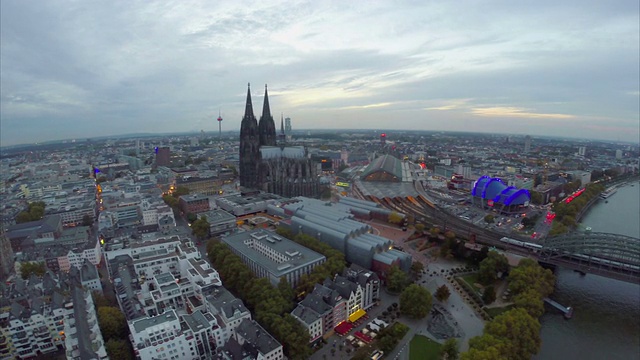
pixel 494 189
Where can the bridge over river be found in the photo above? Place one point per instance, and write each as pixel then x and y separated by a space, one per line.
pixel 610 255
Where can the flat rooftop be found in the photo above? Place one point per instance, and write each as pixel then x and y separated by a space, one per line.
pixel 144 324
pixel 216 216
pixel 249 199
pixel 296 254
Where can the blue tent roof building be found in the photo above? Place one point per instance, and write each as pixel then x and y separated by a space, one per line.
pixel 492 192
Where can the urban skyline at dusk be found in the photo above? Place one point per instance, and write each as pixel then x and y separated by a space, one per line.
pixel 81 70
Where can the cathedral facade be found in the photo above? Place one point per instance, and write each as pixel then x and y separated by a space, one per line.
pixel 266 164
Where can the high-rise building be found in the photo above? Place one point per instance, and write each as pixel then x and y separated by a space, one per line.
pixel 282 137
pixel 582 150
pixel 618 154
pixel 383 139
pixel 287 126
pixel 527 144
pixel 163 156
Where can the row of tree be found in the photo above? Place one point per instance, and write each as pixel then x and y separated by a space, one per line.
pixel 114 329
pixel 270 305
pixel 34 212
pixel 515 334
pixel 566 212
pixel 173 199
pixel 334 264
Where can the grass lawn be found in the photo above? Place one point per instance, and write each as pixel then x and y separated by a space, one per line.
pixel 423 348
pixel 472 279
pixel 493 312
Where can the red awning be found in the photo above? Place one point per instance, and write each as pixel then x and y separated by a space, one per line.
pixel 363 337
pixel 343 328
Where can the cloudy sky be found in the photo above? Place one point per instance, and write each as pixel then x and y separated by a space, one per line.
pixel 75 69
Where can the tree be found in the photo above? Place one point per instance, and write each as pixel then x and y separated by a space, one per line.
pixel 179 191
pixel 28 268
pixel 489 295
pixel 520 332
pixel 191 217
pixel 450 235
pixel 443 293
pixel 490 351
pixel 489 268
pixel 449 349
pixel 119 349
pixel 529 275
pixel 23 217
pixel 536 197
pixel 415 301
pixel 34 211
pixel 200 228
pixel 417 267
pixel 285 289
pixel 530 301
pixel 397 279
pixel 112 323
pixel 434 231
pixel 489 219
pixel 478 256
pixel 395 218
pixel 87 220
pixel 569 221
pixel 171 201
pixel 99 300
pixel 419 228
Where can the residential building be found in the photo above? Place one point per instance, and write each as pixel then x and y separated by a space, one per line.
pixel 162 337
pixel 40 315
pixel 251 341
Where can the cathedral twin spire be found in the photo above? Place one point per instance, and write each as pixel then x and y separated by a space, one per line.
pixel 266 128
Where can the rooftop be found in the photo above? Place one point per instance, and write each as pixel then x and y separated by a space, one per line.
pixel 295 255
pixel 148 322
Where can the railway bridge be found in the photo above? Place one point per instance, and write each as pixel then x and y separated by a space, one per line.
pixel 610 255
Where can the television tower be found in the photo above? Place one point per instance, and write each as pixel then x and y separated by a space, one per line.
pixel 219 124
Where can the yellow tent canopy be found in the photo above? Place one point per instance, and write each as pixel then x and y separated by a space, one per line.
pixel 357 315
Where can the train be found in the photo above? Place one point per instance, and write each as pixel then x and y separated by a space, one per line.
pixel 600 261
pixel 531 246
pixel 590 259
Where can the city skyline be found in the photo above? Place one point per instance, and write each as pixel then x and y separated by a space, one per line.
pixel 84 70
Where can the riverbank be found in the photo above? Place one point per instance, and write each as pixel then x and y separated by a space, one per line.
pixel 617 184
pixel 604 325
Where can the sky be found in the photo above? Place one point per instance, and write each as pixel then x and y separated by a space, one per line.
pixel 78 69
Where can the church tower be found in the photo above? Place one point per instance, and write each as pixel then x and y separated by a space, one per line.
pixel 267 126
pixel 249 145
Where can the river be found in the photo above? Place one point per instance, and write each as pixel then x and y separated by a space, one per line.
pixel 606 319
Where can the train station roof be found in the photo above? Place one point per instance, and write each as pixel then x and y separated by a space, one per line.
pixel 386 168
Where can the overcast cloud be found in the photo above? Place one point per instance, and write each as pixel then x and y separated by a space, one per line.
pixel 76 69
